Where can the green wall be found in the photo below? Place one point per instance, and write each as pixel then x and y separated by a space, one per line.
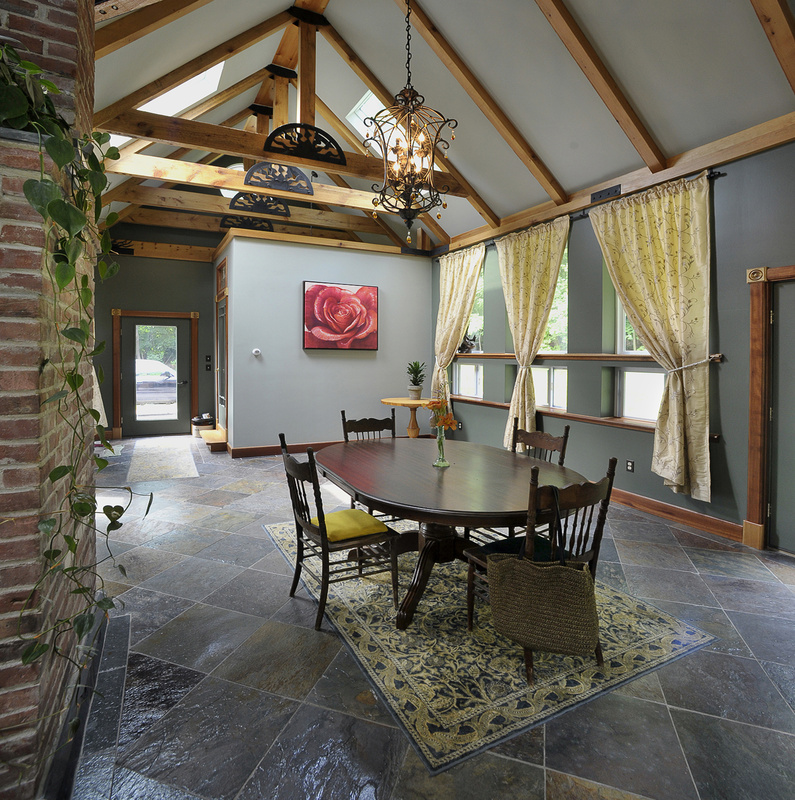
pixel 152 284
pixel 753 205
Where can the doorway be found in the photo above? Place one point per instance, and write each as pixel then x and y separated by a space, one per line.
pixel 782 442
pixel 155 372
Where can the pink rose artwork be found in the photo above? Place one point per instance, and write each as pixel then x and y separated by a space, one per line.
pixel 340 316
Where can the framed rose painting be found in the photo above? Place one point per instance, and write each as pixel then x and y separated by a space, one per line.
pixel 340 316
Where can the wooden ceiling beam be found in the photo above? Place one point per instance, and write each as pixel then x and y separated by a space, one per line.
pixel 140 22
pixel 306 73
pixel 244 144
pixel 583 52
pixel 194 67
pixel 163 169
pixel 753 140
pixel 173 252
pixel 176 199
pixel 162 218
pixel 779 23
pixel 369 79
pixel 485 102
pixel 109 9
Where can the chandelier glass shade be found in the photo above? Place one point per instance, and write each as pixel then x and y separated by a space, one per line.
pixel 408 135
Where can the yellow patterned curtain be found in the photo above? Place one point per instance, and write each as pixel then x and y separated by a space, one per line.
pixel 458 282
pixel 529 266
pixel 656 245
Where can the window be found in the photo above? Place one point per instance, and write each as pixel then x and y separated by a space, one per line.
pixel 468 379
pixel 551 386
pixel 640 392
pixel 368 106
pixel 627 340
pixel 556 336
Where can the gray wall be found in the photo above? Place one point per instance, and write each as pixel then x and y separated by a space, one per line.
pixel 752 226
pixel 150 284
pixel 301 392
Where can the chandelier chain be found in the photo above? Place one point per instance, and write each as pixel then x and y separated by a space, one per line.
pixel 408 44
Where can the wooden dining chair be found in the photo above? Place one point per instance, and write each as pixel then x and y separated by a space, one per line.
pixel 368 427
pixel 583 512
pixel 538 444
pixel 337 546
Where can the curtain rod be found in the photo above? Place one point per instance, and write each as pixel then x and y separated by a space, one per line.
pixel 711 174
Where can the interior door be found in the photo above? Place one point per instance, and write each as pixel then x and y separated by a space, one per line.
pixel 220 360
pixel 782 426
pixel 155 376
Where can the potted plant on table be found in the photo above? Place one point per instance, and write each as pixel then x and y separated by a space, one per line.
pixel 416 373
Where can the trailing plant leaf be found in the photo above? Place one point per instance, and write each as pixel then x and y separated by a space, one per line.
pixel 60 151
pixel 41 193
pixel 83 624
pixel 100 463
pixel 13 103
pixel 71 219
pixel 106 603
pixel 34 651
pixel 47 526
pixel 57 396
pixel 59 472
pixel 64 273
pixel 75 335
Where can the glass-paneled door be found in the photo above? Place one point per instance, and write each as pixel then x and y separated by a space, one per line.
pixel 155 376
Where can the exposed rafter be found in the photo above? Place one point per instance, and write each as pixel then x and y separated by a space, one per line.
pixel 745 143
pixel 582 51
pixel 485 102
pixel 380 91
pixel 176 199
pixel 194 67
pixel 244 144
pixel 137 24
pixel 162 169
pixel 779 24
pixel 109 9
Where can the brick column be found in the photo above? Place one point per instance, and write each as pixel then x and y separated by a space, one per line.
pixel 58 36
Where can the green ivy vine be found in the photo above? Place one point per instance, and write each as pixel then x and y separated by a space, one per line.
pixel 71 208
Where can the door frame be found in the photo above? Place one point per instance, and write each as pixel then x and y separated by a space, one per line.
pixel 760 280
pixel 222 293
pixel 116 315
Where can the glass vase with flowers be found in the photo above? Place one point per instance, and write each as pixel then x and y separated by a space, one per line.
pixel 441 419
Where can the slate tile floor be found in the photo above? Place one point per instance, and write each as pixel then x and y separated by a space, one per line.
pixel 215 685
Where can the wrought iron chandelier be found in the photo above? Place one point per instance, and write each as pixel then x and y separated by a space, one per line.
pixel 407 135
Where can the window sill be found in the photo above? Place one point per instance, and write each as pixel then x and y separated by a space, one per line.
pixel 564 356
pixel 613 422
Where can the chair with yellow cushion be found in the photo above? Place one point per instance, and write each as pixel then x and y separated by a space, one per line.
pixel 337 546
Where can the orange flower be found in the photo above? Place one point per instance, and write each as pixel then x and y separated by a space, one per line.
pixel 436 405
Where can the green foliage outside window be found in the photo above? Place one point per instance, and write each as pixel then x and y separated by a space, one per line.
pixel 556 336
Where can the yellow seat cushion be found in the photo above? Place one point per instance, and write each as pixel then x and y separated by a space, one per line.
pixel 350 523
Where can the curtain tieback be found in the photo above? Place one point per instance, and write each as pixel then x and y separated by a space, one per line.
pixel 712 357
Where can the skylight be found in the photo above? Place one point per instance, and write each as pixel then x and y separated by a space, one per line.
pixel 368 106
pixel 176 100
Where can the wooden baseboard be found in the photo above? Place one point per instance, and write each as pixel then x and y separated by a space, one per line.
pixel 753 535
pixel 693 519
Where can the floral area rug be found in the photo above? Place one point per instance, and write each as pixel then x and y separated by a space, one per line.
pixel 456 693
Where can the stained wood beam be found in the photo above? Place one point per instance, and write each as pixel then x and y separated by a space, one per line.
pixel 174 252
pixel 485 102
pixel 175 199
pixel 306 73
pixel 245 144
pixel 194 67
pixel 760 137
pixel 369 79
pixel 779 23
pixel 161 218
pixel 583 52
pixel 140 22
pixel 109 9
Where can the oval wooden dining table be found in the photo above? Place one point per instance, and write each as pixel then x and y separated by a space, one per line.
pixel 483 486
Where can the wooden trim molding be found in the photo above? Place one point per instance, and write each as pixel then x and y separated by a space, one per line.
pixel 760 282
pixel 693 519
pixel 562 356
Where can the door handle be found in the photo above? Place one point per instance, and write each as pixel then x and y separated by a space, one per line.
pixel 182 383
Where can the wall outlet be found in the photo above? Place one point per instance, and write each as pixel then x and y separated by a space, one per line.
pixel 630 466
